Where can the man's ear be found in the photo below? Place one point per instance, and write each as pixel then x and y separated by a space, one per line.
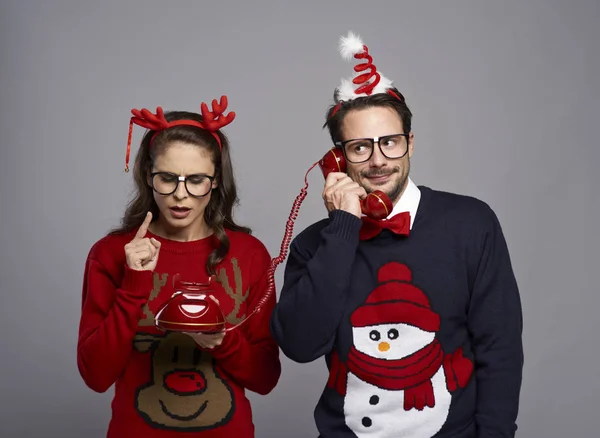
pixel 411 143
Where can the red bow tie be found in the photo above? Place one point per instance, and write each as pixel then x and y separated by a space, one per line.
pixel 399 224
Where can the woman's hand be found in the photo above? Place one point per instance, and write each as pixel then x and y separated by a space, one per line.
pixel 208 341
pixel 142 253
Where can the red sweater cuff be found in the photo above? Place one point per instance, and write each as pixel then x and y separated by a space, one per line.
pixel 139 283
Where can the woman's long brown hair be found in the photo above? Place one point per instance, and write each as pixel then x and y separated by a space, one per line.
pixel 219 211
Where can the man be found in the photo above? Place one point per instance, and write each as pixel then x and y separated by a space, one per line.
pixel 418 315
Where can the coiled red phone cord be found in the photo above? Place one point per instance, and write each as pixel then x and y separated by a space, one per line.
pixel 285 243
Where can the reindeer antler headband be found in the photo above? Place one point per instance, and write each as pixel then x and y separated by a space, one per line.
pixel 212 121
pixel 362 84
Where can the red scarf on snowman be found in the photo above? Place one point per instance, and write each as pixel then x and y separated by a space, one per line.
pixel 411 374
pixel 398 301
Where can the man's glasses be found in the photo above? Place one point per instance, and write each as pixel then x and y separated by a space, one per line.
pixel 359 150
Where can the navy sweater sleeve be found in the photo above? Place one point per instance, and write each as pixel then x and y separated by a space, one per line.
pixel 495 325
pixel 316 278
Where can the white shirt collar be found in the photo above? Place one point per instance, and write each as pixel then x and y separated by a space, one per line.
pixel 409 201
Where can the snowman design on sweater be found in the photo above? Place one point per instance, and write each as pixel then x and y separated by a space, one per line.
pixel 397 381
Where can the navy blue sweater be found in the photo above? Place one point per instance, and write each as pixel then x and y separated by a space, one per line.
pixel 421 333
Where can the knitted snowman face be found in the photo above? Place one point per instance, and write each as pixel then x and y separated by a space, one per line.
pixel 396 319
pixel 390 341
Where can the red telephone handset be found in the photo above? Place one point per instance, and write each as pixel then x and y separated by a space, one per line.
pixel 377 205
pixel 190 308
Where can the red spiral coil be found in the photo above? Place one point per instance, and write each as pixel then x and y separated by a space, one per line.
pixel 366 87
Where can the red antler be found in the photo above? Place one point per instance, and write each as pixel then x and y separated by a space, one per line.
pixel 146 119
pixel 214 120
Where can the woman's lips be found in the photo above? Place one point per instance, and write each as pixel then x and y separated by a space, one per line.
pixel 179 212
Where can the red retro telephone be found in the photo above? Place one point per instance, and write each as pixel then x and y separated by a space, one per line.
pixel 191 308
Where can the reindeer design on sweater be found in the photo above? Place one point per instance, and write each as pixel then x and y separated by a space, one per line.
pixel 185 390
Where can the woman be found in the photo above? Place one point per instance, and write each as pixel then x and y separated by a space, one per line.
pixel 179 225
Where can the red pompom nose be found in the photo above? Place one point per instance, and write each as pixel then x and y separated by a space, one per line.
pixel 185 382
pixel 377 205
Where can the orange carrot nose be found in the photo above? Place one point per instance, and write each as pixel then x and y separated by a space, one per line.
pixel 383 346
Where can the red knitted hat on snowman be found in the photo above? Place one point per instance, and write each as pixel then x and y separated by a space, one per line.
pixel 395 301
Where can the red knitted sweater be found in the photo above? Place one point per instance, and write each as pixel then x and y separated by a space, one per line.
pixel 165 385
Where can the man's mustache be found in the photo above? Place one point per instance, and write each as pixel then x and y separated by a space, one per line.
pixel 379 172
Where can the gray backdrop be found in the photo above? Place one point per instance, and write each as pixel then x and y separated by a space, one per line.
pixel 505 96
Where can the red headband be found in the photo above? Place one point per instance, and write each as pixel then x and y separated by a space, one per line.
pixel 212 121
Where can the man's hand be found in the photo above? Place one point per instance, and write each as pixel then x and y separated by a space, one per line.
pixel 342 193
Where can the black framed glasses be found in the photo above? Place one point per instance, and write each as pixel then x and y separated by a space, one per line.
pixel 359 150
pixel 166 183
